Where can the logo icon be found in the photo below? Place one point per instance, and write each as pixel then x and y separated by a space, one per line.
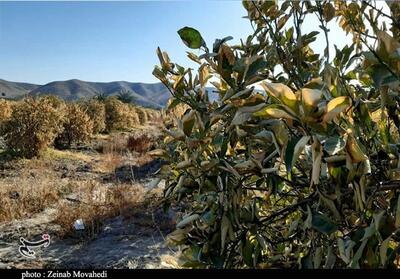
pixel 24 248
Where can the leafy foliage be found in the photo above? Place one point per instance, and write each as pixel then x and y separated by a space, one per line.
pixel 304 174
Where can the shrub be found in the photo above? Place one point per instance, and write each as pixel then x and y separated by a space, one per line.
pixel 5 111
pixel 139 143
pixel 142 115
pixel 54 101
pixel 33 126
pixel 116 115
pixel 299 175
pixel 77 126
pixel 133 116
pixel 97 112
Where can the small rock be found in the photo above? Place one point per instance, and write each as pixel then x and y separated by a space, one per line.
pixel 78 225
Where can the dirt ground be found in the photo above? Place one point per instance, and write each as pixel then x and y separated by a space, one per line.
pixel 110 189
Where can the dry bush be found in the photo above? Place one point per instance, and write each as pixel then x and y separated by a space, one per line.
pixel 26 194
pixel 115 144
pixel 117 115
pixel 54 101
pixel 97 112
pixel 77 126
pixel 33 126
pixel 96 202
pixel 142 115
pixel 139 143
pixel 133 116
pixel 5 110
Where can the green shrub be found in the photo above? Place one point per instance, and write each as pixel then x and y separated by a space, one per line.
pixel 33 126
pixel 300 175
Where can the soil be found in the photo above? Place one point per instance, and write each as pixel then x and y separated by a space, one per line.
pixel 133 241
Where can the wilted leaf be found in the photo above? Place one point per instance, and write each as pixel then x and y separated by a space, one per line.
pixel 391 44
pixel 354 150
pixel 329 12
pixel 316 152
pixel 225 223
pixel 335 107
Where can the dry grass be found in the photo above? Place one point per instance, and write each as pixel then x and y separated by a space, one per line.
pixel 139 143
pixel 31 186
pixel 115 144
pixel 96 202
pixel 54 154
pixel 28 193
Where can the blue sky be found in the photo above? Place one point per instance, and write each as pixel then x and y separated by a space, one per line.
pixel 105 41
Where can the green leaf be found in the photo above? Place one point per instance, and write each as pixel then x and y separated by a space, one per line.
pixel 397 222
pixel 293 150
pixel 247 253
pixel 191 37
pixel 358 254
pixel 323 224
pixel 383 250
pixel 188 220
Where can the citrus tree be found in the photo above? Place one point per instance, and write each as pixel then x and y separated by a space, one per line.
pixel 297 162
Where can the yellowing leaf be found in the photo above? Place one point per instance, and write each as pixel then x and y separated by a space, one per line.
pixel 335 107
pixel 274 111
pixel 204 75
pixel 281 92
pixel 354 150
pixel 316 160
pixel 311 97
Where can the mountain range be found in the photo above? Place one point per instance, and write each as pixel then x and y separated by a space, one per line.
pixel 153 95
